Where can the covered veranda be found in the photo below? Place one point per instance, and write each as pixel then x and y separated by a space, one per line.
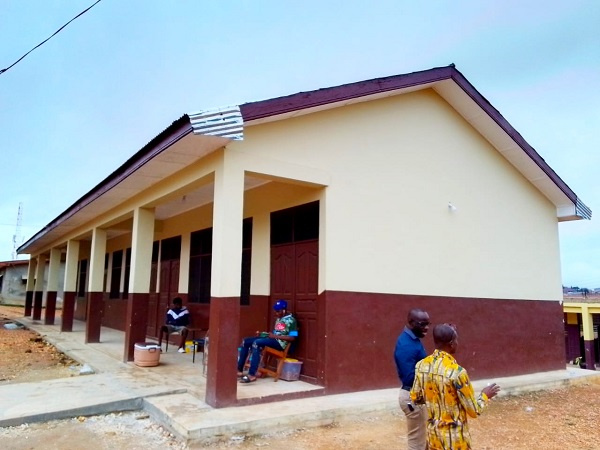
pixel 176 368
pixel 579 315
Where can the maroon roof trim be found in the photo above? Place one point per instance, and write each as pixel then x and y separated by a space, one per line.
pixel 311 99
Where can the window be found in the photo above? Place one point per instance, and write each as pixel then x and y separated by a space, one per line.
pixel 127 273
pixel 200 266
pixel 104 281
pixel 300 223
pixel 154 267
pixel 83 267
pixel 170 249
pixel 115 274
pixel 246 261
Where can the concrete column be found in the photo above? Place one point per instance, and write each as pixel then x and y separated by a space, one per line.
pixel 260 280
pixel 221 382
pixel 53 273
pixel 70 285
pixel 588 338
pixel 38 294
pixel 30 286
pixel 136 321
pixel 95 300
pixel 184 263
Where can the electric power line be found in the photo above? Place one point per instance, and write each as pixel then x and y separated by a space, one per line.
pixel 46 40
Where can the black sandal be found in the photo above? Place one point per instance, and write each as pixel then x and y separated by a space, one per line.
pixel 246 379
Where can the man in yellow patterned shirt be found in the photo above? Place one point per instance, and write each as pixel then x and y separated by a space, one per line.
pixel 446 390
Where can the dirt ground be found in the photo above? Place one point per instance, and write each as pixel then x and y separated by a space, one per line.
pixel 25 356
pixel 556 419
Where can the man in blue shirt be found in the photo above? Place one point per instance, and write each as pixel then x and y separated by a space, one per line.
pixel 409 350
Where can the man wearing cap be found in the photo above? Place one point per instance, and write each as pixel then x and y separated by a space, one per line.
pixel 284 332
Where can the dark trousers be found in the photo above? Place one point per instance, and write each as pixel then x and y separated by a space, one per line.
pixel 255 345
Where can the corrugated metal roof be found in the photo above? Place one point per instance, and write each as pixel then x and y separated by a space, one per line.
pixel 583 210
pixel 223 122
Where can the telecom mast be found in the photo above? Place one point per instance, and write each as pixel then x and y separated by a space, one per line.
pixel 17 235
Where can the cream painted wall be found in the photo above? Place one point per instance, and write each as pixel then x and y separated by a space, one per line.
pixel 395 164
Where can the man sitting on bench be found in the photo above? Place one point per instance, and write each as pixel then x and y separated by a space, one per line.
pixel 178 317
pixel 284 332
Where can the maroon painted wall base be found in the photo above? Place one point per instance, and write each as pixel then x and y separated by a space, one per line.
pixel 66 323
pixel 50 308
pixel 95 304
pixel 498 337
pixel 590 355
pixel 28 303
pixel 37 305
pixel 80 308
pixel 221 383
pixel 115 313
pixel 136 320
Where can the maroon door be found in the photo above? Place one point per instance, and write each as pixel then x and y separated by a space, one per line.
pixel 572 342
pixel 168 288
pixel 152 327
pixel 294 277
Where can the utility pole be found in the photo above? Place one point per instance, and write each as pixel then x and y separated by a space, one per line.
pixel 17 235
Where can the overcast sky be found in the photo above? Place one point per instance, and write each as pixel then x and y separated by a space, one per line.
pixel 80 105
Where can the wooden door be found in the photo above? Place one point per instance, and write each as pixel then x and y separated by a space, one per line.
pixel 294 278
pixel 572 344
pixel 168 288
pixel 153 320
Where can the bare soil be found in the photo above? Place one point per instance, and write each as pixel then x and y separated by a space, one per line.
pixel 558 419
pixel 26 356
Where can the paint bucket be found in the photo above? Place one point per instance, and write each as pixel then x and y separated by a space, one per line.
pixel 146 354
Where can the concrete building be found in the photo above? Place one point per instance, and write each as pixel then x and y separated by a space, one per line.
pixel 582 319
pixel 354 203
pixel 13 279
pixel 13 282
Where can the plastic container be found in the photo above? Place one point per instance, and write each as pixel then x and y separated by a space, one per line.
pixel 291 370
pixel 146 354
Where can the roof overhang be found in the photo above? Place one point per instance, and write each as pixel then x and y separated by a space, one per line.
pixel 193 137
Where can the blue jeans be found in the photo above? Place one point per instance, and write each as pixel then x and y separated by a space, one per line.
pixel 255 345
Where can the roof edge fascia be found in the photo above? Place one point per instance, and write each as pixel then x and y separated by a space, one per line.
pixel 311 99
pixel 169 136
